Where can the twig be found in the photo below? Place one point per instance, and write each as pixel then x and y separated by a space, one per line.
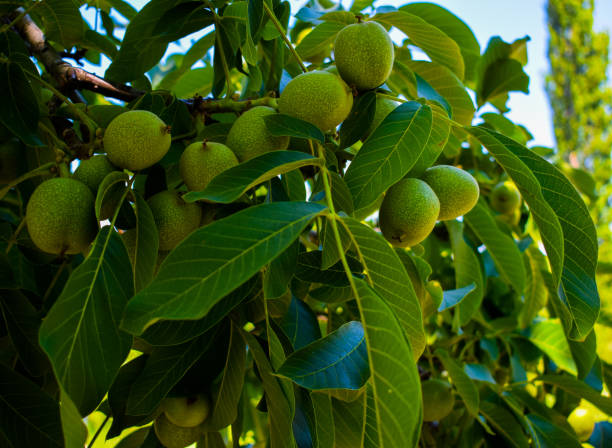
pixel 283 34
pixel 66 75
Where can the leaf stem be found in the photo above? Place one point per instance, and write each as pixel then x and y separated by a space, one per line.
pixel 13 239
pixel 93 439
pixel 283 34
pixel 333 216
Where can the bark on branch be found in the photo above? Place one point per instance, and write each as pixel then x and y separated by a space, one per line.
pixel 70 78
pixel 66 75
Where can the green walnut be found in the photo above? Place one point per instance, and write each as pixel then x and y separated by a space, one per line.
pixel 249 137
pixel 136 140
pixel 408 212
pixel 456 189
pixel 438 400
pixel 174 436
pixel 582 420
pixel 318 97
pixel 93 170
pixel 363 53
pixel 186 411
pixel 202 161
pixel 11 160
pixel 384 107
pixel 175 218
pixel 60 216
pixel 505 198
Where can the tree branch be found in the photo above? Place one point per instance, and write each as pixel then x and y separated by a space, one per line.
pixel 66 75
pixel 70 78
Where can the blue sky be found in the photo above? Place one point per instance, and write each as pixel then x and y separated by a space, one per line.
pixel 510 19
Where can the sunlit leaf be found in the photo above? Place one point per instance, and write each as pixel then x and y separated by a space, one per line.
pixel 210 262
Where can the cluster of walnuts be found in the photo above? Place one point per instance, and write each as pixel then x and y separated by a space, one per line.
pixel 60 214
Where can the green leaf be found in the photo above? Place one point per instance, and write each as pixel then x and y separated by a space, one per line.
pixel 548 336
pixel 320 39
pixel 440 133
pixel 141 48
pixel 579 389
pixel 467 271
pixel 20 112
pixel 198 81
pixel 504 76
pixel 147 244
pixel 255 14
pixel 124 8
pixel 119 393
pixel 80 333
pixel 389 153
pixel 280 271
pixel 293 183
pixel 22 323
pixel 536 294
pixel 324 419
pixel 454 28
pixel 286 125
pixel 348 422
pixel 498 72
pixel 227 389
pixel 175 332
pixel 584 354
pixel 300 324
pixel 110 190
pixel 190 282
pixel 427 92
pixel 389 279
pixel 163 369
pixel 279 411
pixel 548 435
pixel 395 379
pixel 449 86
pixel 181 20
pixel 234 182
pixel 504 423
pixel 309 269
pixel 197 51
pixel 465 386
pixel 331 294
pixel 75 432
pixel 453 297
pixel 331 253
pixel 30 417
pixel 359 119
pixel 62 21
pixel 211 440
pixel 337 361
pixel 502 248
pixel 435 43
pixel 566 228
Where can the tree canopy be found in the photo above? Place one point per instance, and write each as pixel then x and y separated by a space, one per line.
pixel 192 250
